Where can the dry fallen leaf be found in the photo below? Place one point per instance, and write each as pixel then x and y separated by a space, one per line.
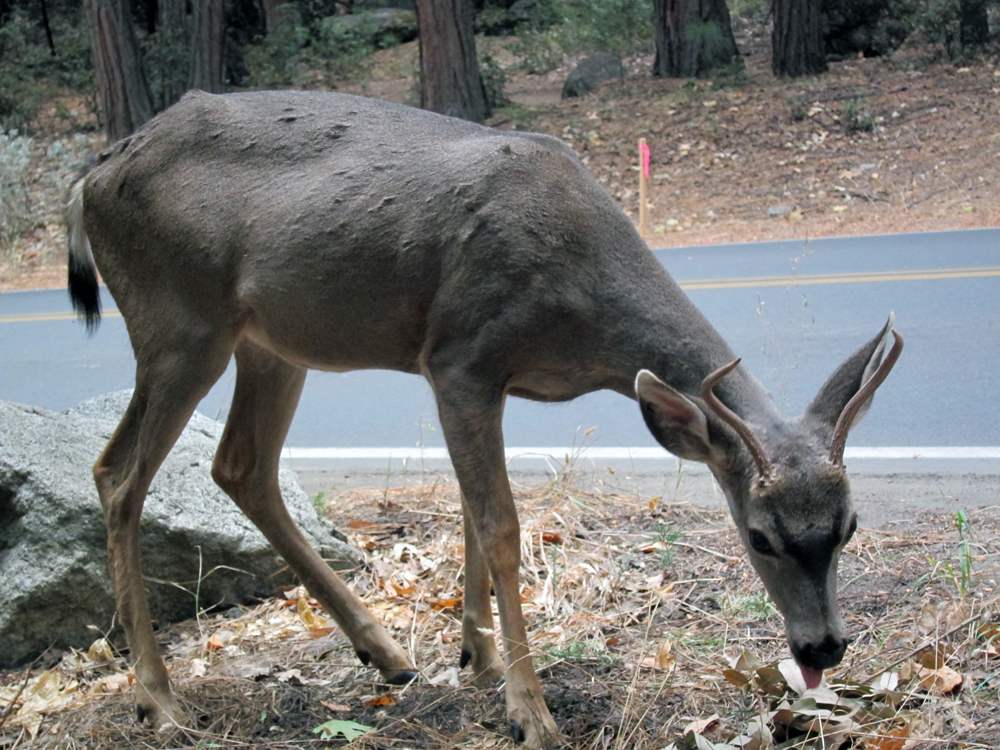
pixel 939 681
pixel 702 725
pixel 100 651
pixel 321 632
pixel 382 700
pixel 663 659
pixel 893 740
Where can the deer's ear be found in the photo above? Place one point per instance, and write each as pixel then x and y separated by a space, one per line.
pixel 677 422
pixel 826 408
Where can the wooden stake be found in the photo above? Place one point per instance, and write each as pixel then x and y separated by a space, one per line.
pixel 643 178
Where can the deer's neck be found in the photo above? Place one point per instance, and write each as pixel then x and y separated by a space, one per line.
pixel 681 347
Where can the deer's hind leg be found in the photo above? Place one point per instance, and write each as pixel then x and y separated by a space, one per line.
pixel 246 467
pixel 171 378
pixel 479 648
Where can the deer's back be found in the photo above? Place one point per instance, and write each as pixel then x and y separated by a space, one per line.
pixel 401 225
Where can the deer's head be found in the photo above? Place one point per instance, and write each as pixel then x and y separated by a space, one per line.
pixel 786 485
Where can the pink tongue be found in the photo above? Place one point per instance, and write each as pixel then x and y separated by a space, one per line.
pixel 813 677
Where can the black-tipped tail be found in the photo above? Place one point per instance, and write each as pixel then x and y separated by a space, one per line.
pixel 83 291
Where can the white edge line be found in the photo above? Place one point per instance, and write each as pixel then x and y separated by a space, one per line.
pixel 632 454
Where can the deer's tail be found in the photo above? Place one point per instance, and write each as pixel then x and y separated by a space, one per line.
pixel 83 290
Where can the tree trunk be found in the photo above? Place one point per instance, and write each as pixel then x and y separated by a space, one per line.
pixel 797 39
pixel 974 28
pixel 693 38
pixel 208 42
pixel 272 16
pixel 124 93
pixel 450 82
pixel 48 28
pixel 173 46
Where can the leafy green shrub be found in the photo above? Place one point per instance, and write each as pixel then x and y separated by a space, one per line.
pixel 748 8
pixel 537 52
pixel 15 205
pixel 30 72
pixel 276 62
pixel 342 51
pixel 622 27
pixel 494 78
pixel 855 117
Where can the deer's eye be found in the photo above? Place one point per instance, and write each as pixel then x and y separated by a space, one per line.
pixel 759 542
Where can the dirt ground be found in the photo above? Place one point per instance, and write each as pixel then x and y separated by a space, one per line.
pixel 753 158
pixel 638 610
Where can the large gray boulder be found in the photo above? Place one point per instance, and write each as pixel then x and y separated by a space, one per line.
pixel 602 66
pixel 54 585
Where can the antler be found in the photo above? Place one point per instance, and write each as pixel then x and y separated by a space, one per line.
pixel 850 411
pixel 764 466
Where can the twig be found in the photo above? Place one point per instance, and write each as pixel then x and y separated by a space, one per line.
pixel 9 711
pixel 931 641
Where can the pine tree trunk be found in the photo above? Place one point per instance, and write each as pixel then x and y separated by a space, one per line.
pixel 272 16
pixel 974 28
pixel 450 82
pixel 693 38
pixel 124 93
pixel 208 43
pixel 797 40
pixel 173 37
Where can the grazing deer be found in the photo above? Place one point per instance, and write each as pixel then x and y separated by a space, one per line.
pixel 311 230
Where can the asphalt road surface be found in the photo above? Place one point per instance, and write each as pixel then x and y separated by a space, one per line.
pixel 792 310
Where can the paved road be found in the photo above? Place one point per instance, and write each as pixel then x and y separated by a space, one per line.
pixel 793 310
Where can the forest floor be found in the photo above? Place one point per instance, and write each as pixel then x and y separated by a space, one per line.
pixel 647 623
pixel 747 159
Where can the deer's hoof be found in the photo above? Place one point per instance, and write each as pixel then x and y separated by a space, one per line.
pixel 163 716
pixel 540 734
pixel 402 677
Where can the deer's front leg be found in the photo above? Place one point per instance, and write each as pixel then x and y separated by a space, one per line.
pixel 471 418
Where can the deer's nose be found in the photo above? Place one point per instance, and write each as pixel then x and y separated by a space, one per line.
pixel 823 655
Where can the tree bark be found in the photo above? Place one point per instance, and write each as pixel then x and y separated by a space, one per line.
pixel 450 82
pixel 797 38
pixel 173 40
pixel 693 38
pixel 208 44
pixel 48 28
pixel 272 16
pixel 124 93
pixel 974 28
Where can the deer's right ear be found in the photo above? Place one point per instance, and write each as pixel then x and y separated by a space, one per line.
pixel 677 422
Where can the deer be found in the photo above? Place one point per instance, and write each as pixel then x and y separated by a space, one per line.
pixel 298 230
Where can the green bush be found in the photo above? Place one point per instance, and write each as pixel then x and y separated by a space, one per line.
pixel 622 27
pixel 30 73
pixel 537 52
pixel 855 117
pixel 494 78
pixel 341 51
pixel 276 62
pixel 15 205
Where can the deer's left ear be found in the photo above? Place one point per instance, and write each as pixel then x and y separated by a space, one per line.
pixel 826 408
pixel 678 423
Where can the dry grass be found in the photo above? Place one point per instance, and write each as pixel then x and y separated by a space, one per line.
pixel 635 608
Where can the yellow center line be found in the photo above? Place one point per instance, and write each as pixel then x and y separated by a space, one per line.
pixel 843 278
pixel 751 281
pixel 45 317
